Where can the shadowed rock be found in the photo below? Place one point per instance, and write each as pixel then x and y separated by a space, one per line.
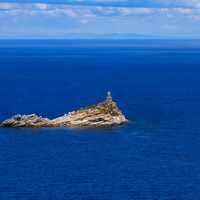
pixel 104 114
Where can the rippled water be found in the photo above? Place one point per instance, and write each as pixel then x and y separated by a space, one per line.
pixel 155 156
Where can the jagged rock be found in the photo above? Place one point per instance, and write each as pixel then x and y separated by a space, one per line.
pixel 104 114
pixel 27 121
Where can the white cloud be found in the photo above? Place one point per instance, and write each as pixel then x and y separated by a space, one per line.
pixel 136 11
pixel 69 12
pixel 41 6
pixel 85 12
pixel 7 6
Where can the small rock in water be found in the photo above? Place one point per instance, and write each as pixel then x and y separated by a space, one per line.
pixel 27 121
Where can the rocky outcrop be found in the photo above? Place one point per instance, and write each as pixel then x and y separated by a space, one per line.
pixel 27 121
pixel 104 114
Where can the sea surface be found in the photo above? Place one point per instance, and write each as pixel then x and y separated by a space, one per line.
pixel 156 156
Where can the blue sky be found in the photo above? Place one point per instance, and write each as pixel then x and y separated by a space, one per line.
pixel 59 18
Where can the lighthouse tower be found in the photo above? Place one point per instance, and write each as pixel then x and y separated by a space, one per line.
pixel 109 97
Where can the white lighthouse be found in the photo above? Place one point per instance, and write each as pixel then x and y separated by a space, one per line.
pixel 109 97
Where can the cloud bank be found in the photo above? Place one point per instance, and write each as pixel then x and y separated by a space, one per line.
pixel 155 17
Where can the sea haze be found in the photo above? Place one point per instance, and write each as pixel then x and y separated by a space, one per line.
pixel 155 156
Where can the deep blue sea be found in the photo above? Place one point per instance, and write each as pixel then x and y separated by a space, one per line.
pixel 155 157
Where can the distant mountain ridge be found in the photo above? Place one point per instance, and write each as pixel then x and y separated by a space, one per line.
pixel 101 36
